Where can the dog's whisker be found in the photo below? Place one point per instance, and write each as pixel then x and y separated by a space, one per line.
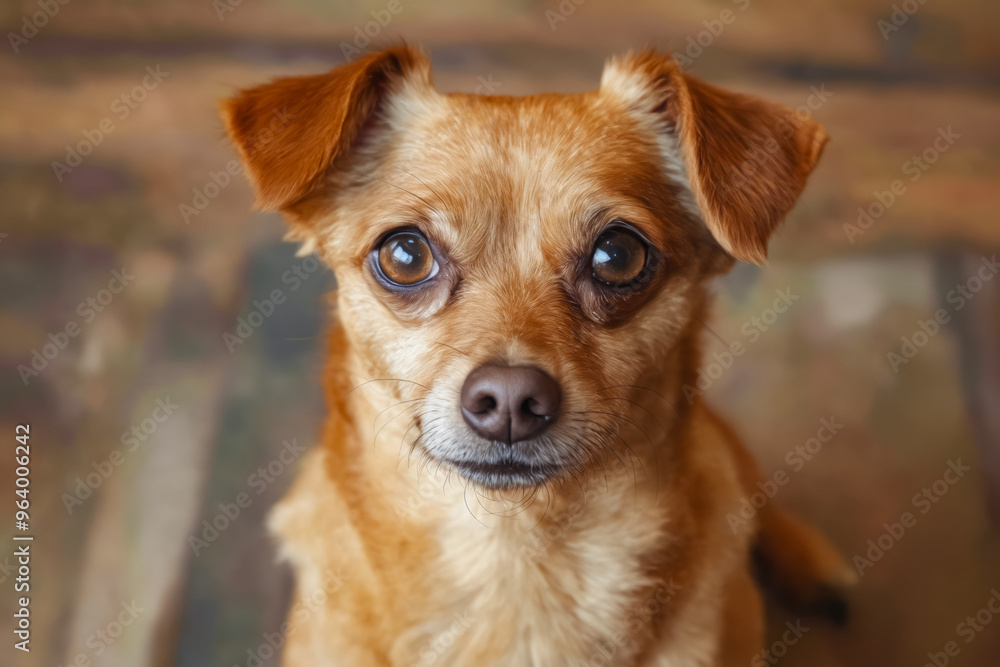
pixel 437 342
pixel 366 382
pixel 628 420
pixel 635 386
pixel 599 433
pixel 382 412
pixel 394 417
pixel 419 180
pixel 402 440
pixel 429 428
pixel 609 432
pixel 548 504
pixel 710 330
pixel 465 498
pixel 656 465
pixel 638 405
pixel 399 187
pixel 611 450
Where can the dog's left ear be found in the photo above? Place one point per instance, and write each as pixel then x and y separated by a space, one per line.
pixel 744 160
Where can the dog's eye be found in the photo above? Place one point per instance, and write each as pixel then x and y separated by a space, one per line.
pixel 619 257
pixel 405 258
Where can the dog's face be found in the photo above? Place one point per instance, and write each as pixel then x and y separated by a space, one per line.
pixel 516 266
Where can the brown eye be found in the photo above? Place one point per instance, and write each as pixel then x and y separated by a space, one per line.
pixel 405 258
pixel 619 257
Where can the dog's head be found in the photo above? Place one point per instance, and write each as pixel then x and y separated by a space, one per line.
pixel 516 263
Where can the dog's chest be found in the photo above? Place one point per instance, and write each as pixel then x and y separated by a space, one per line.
pixel 569 589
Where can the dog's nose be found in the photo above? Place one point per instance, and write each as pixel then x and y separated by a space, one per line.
pixel 510 403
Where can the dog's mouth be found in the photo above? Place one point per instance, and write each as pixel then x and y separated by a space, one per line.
pixel 506 472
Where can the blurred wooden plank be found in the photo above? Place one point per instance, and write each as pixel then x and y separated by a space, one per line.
pixel 137 545
pixel 977 327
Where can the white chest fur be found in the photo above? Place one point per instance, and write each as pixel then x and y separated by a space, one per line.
pixel 543 586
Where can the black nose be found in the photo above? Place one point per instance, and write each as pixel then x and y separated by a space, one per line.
pixel 510 403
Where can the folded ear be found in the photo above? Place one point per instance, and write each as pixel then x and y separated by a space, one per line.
pixel 744 160
pixel 291 131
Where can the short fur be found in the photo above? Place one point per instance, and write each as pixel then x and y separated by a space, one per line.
pixel 624 558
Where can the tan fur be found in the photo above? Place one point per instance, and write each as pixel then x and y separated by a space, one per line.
pixel 624 559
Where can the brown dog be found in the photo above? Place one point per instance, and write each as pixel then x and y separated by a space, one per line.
pixel 511 473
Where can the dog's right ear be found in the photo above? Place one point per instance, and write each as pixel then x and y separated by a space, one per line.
pixel 291 131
